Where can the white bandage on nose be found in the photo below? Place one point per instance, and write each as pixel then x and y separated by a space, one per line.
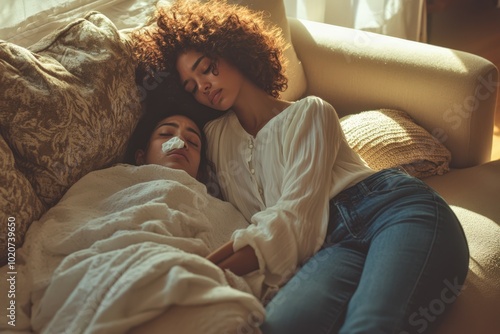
pixel 172 144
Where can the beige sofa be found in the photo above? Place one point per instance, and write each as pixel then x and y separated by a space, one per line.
pixel 56 131
pixel 452 94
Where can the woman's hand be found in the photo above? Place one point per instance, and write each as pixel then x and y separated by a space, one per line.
pixel 221 253
pixel 240 262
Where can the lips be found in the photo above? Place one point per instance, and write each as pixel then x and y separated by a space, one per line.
pixel 214 96
pixel 180 152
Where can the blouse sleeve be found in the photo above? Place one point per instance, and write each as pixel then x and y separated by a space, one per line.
pixel 286 234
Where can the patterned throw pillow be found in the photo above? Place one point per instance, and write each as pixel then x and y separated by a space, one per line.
pixel 389 138
pixel 68 106
pixel 18 202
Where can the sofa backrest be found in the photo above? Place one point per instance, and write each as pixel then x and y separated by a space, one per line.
pixel 452 94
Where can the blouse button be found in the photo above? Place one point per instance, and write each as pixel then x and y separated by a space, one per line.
pixel 251 145
pixel 252 171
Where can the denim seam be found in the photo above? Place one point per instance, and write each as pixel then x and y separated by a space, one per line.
pixel 333 323
pixel 431 249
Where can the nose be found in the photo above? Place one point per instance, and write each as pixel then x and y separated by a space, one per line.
pixel 205 88
pixel 174 143
pixel 181 137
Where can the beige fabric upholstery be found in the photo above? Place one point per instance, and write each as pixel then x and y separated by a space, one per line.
pixel 450 93
pixel 473 194
pixel 476 189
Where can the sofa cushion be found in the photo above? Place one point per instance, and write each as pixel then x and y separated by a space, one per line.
pixel 388 138
pixel 68 106
pixel 473 195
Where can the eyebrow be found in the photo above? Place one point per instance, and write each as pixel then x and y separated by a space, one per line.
pixel 175 125
pixel 195 65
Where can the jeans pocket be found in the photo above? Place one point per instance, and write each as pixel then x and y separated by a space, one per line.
pixel 353 223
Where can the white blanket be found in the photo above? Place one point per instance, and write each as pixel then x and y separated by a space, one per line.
pixel 126 245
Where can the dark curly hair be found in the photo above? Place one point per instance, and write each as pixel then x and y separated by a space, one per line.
pixel 218 30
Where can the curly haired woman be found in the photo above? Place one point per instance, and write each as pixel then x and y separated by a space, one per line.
pixel 355 250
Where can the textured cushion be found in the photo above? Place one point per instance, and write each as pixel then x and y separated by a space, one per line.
pixel 388 138
pixel 68 105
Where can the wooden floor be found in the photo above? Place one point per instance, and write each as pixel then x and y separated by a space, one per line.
pixel 472 26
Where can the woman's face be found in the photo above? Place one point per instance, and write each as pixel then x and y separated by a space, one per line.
pixel 186 158
pixel 213 83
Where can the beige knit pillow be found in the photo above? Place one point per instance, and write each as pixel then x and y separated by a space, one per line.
pixel 388 138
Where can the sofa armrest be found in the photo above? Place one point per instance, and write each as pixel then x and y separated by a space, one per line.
pixel 450 93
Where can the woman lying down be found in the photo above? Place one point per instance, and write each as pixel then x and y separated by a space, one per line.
pixel 125 249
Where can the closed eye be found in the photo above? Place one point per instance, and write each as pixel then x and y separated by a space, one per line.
pixel 166 135
pixel 209 68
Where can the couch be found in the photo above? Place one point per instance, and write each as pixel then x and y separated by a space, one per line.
pixel 450 93
pixel 56 131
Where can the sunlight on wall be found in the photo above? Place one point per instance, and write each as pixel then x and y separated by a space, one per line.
pixel 399 18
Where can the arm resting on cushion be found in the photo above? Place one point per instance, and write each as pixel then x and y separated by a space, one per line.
pixel 451 94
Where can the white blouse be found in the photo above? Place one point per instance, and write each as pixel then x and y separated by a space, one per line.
pixel 282 179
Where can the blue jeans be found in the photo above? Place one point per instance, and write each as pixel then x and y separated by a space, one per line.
pixel 394 261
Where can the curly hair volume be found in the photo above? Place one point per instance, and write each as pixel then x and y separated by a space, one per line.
pixel 218 30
